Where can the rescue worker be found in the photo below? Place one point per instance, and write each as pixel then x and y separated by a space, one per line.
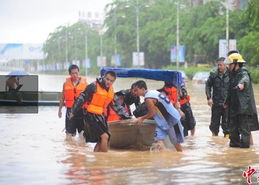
pixel 95 100
pixel 172 93
pixel 164 113
pixel 216 91
pixel 240 100
pixel 72 88
pixel 188 120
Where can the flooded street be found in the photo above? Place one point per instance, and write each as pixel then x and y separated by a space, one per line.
pixel 34 151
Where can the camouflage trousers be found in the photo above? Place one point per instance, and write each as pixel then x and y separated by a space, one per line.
pixel 239 131
pixel 218 117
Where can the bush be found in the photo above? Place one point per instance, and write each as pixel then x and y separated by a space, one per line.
pixel 254 74
pixel 190 70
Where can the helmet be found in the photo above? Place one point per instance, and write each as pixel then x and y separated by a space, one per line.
pixel 232 51
pixel 233 58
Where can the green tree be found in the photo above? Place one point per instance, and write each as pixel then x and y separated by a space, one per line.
pixel 201 27
pixel 249 41
pixel 67 43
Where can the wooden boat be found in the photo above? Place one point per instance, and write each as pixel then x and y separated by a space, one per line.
pixel 125 133
pixel 29 98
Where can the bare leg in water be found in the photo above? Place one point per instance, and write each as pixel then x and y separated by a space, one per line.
pixel 193 131
pixel 251 140
pixel 102 146
pixel 178 147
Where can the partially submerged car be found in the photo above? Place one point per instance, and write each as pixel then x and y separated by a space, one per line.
pixel 201 77
pixel 184 76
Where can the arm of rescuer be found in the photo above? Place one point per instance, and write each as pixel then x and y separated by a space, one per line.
pixel 152 110
pixel 208 88
pixel 85 96
pixel 120 110
pixel 244 81
pixel 242 84
pixel 61 102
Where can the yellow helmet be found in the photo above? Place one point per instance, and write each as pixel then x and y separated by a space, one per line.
pixel 234 57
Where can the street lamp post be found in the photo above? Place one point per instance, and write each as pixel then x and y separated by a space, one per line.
pixel 115 34
pixel 101 44
pixel 86 51
pixel 78 32
pixel 115 18
pixel 86 45
pixel 101 59
pixel 227 26
pixel 177 34
pixel 137 9
pixel 66 44
pixel 137 27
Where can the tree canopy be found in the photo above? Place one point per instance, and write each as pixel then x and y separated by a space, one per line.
pixel 200 27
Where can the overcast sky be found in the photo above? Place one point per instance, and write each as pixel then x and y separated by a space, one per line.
pixel 30 21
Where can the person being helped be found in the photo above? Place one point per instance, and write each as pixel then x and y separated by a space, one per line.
pixel 241 103
pixel 216 91
pixel 188 120
pixel 118 110
pixel 95 100
pixel 72 88
pixel 130 98
pixel 164 113
pixel 124 99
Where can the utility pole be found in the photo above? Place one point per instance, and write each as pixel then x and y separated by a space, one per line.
pixel 66 45
pixel 227 26
pixel 86 52
pixel 137 27
pixel 86 46
pixel 115 35
pixel 138 8
pixel 177 34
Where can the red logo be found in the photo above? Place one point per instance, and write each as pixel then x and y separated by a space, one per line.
pixel 247 174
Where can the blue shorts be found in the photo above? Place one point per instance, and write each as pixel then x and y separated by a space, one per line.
pixel 175 134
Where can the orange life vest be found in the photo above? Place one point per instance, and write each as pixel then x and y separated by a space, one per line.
pixel 185 100
pixel 113 116
pixel 101 99
pixel 72 92
pixel 172 94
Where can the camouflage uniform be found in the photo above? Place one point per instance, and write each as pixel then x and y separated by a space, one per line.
pixel 242 109
pixel 217 89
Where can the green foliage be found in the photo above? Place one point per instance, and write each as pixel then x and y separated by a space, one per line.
pixel 252 14
pixel 201 28
pixel 254 74
pixel 67 44
pixel 250 48
pixel 190 70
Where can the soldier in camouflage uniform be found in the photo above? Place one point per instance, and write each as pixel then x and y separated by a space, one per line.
pixel 216 92
pixel 240 100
